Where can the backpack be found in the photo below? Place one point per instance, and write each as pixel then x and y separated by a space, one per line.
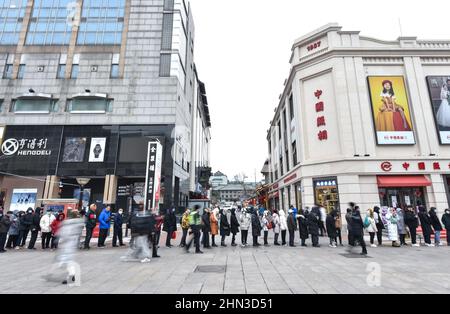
pixel 366 222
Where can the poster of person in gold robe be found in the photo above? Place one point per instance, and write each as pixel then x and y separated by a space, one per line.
pixel 391 111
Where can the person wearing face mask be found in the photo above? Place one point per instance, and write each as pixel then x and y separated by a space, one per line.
pixel 35 228
pixel 118 228
pixel 26 221
pixel 446 222
pixel 5 222
pixel 45 224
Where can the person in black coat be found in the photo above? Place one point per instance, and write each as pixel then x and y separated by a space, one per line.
pixel 313 225
pixel 379 224
pixel 303 226
pixel 5 222
pixel 26 221
pixel 425 222
pixel 446 222
pixel 170 225
pixel 234 227
pixel 412 222
pixel 256 228
pixel 206 228
pixel 292 227
pixel 35 228
pixel 331 228
pixel 91 222
pixel 357 226
pixel 225 227
pixel 436 223
pixel 118 228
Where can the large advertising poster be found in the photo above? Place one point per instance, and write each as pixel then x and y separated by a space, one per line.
pixel 74 149
pixel 391 110
pixel 97 151
pixel 22 199
pixel 153 178
pixel 439 88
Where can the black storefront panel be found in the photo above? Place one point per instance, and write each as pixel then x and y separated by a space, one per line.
pixel 30 150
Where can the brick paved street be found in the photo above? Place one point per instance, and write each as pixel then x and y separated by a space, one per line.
pixel 248 270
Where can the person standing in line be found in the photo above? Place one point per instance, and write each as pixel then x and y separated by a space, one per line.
pixel 105 224
pixel 348 219
pixel 338 226
pixel 13 232
pixel 303 226
pixel 245 221
pixel 35 228
pixel 313 225
pixel 295 211
pixel 185 227
pixel 283 227
pixel 118 228
pixel 436 223
pixel 425 222
pixel 412 222
pixel 331 228
pixel 206 228
pixel 195 224
pixel 256 228
pixel 371 226
pixel 380 225
pixel 392 220
pixel 214 220
pixel 26 222
pixel 45 224
pixel 224 226
pixel 155 225
pixel 401 226
pixel 292 227
pixel 266 224
pixel 358 228
pixel 446 222
pixel 276 227
pixel 5 223
pixel 170 225
pixel 91 223
pixel 55 226
pixel 234 226
pixel 322 221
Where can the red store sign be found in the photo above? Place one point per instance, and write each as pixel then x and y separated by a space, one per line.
pixel 321 120
pixel 420 166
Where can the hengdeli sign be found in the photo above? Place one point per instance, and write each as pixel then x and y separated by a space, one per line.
pixel 26 147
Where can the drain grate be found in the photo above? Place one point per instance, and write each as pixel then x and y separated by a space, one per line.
pixel 211 269
pixel 349 255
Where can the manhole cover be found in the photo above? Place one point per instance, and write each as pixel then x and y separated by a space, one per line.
pixel 354 256
pixel 210 269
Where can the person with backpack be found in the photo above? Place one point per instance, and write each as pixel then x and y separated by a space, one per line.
pixel 446 222
pixel 234 226
pixel 267 225
pixel 436 223
pixel 292 227
pixel 392 220
pixel 195 225
pixel 331 228
pixel 371 226
pixel 412 222
pixel 245 222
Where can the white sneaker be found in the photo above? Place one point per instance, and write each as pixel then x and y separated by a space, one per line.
pixel 416 245
pixel 441 244
pixel 429 245
pixel 146 260
pixel 17 248
pixel 374 245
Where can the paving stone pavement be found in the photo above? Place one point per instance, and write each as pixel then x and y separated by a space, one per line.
pixel 265 270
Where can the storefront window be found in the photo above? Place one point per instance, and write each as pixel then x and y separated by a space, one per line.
pixel 402 197
pixel 326 193
pixel 298 196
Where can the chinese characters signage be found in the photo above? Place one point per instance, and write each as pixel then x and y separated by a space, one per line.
pixel 321 120
pixel 26 147
pixel 415 166
pixel 153 179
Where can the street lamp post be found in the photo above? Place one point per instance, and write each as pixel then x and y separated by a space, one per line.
pixel 82 182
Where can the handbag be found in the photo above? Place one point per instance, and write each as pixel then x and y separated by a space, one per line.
pixel 174 235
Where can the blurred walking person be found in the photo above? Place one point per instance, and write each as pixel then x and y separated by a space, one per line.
pixel 266 225
pixel 392 220
pixel 338 225
pixel 348 219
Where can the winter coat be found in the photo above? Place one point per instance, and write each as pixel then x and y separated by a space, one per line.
pixel 185 221
pixel 5 223
pixel 338 223
pixel 234 224
pixel 36 221
pixel 323 214
pixel 26 221
pixel 225 228
pixel 446 221
pixel 372 228
pixel 401 222
pixel 256 225
pixel 170 220
pixel 105 219
pixel 141 225
pixel 283 221
pixel 214 224
pixel 392 227
pixel 411 220
pixel 206 222
pixel 276 223
pixel 357 225
pixel 331 227
pixel 378 221
pixel 303 227
pixel 14 227
pixel 46 222
pixel 55 226
pixel 425 222
pixel 292 223
pixel 91 219
pixel 313 223
pixel 118 221
pixel 266 222
pixel 435 221
pixel 245 220
pixel 348 218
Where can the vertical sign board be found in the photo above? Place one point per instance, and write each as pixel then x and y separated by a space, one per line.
pixel 153 178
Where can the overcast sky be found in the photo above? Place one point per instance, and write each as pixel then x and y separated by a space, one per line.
pixel 242 53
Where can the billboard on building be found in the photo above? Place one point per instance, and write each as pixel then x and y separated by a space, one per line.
pixel 22 199
pixel 391 110
pixel 439 89
pixel 153 177
pixel 74 149
pixel 97 150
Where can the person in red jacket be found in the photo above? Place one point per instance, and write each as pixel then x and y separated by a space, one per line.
pixel 55 226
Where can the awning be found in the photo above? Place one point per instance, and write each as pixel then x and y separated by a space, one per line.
pixel 403 181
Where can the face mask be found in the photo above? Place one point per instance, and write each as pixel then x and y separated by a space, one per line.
pixel 120 212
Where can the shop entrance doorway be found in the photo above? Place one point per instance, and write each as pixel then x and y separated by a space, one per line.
pixel 402 197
